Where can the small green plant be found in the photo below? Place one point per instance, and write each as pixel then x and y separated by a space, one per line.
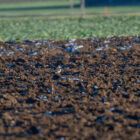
pixel 63 28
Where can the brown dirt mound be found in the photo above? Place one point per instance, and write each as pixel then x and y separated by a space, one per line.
pixel 73 89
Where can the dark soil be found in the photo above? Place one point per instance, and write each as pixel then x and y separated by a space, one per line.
pixel 84 89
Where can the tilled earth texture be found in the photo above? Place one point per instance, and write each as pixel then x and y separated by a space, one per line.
pixel 84 89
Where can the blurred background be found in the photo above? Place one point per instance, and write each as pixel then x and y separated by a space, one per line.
pixel 63 19
pixel 68 7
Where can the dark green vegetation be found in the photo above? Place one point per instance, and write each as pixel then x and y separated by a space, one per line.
pixel 63 28
pixel 111 2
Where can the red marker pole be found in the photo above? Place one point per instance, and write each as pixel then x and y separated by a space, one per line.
pixel 105 11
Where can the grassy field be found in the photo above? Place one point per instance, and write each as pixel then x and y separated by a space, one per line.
pixel 38 3
pixel 68 27
pixel 37 7
pixel 43 8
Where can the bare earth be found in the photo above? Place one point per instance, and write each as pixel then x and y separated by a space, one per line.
pixel 84 89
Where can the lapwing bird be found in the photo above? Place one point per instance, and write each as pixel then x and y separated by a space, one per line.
pixel 56 73
pixel 57 70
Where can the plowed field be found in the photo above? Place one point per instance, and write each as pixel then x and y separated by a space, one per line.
pixel 71 89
